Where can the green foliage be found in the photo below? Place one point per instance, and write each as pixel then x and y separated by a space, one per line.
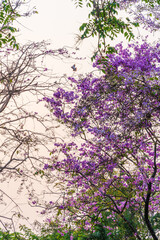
pixel 78 3
pixel 108 227
pixel 155 221
pixel 9 12
pixel 152 3
pixel 104 22
pixel 51 233
pixel 11 236
pixel 7 16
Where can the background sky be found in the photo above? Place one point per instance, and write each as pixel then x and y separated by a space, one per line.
pixel 56 21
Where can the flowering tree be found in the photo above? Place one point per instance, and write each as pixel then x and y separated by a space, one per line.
pixel 113 163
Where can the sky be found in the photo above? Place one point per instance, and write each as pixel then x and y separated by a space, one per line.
pixel 56 21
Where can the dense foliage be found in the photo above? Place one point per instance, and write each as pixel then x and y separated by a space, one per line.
pixel 99 231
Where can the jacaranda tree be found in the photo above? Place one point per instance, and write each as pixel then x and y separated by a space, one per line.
pixel 112 165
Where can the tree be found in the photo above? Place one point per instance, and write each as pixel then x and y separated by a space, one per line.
pixel 112 164
pixel 25 135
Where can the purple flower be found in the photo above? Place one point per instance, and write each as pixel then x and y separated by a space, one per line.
pixel 46 166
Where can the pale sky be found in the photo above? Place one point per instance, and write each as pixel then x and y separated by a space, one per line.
pixel 57 21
